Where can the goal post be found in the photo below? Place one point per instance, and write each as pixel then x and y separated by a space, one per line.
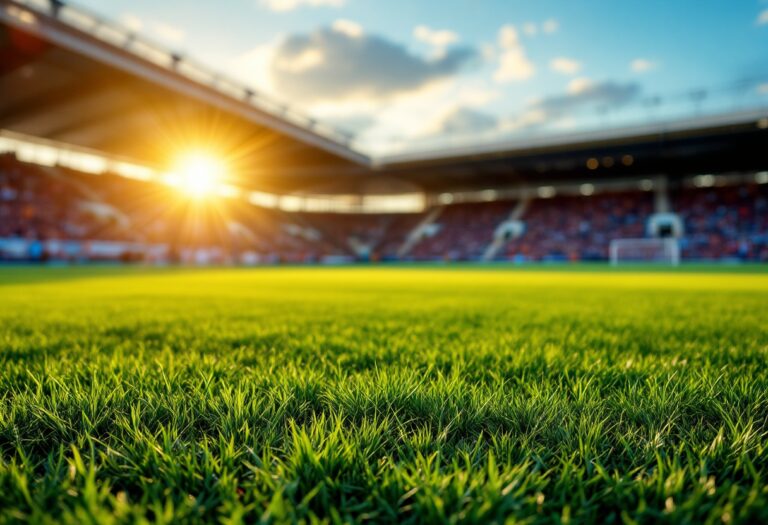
pixel 662 251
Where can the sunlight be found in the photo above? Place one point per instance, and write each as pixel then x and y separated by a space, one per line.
pixel 198 174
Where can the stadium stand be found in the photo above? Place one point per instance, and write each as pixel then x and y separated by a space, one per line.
pixel 462 231
pixel 40 203
pixel 364 236
pixel 574 228
pixel 724 222
pixel 54 213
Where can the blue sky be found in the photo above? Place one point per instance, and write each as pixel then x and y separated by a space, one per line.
pixel 403 73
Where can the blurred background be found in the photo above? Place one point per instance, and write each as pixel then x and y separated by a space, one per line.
pixel 339 131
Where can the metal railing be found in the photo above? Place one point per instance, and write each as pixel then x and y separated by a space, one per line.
pixel 644 110
pixel 130 41
pixel 736 99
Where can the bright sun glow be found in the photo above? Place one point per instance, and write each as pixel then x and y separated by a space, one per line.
pixel 198 174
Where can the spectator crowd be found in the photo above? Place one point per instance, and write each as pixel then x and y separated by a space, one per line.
pixel 51 213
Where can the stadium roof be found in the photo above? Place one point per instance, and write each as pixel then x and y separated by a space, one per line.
pixel 74 78
pixel 69 76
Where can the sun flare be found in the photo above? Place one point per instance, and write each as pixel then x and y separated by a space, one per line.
pixel 198 174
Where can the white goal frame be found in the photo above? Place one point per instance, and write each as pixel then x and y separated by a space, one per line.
pixel 660 250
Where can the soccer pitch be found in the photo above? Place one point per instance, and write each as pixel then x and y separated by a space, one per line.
pixel 414 395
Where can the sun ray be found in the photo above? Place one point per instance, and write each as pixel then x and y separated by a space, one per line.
pixel 197 174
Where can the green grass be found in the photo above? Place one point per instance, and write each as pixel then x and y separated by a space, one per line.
pixel 383 395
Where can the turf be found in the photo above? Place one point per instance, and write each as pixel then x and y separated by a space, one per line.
pixel 383 395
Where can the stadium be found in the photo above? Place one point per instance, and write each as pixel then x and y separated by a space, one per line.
pixel 222 305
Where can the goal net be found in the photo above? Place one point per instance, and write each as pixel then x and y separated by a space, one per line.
pixel 662 251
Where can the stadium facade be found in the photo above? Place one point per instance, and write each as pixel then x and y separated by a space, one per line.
pixel 82 96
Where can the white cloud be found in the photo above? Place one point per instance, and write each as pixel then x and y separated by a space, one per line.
pixel 508 37
pixel 563 110
pixel 254 66
pixel 550 26
pixel 565 66
pixel 342 62
pixel 529 118
pixel 488 52
pixel 762 18
pixel 162 31
pixel 132 22
pixel 547 27
pixel 415 115
pixel 289 5
pixel 514 64
pixel 579 85
pixel 642 65
pixel 762 89
pixel 348 27
pixel 167 32
pixel 464 120
pixel 439 39
pixel 530 29
pixel 407 117
pixel 307 59
pixel 477 96
pixel 583 92
pixel 565 123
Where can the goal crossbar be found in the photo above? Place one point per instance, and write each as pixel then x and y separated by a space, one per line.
pixel 663 251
